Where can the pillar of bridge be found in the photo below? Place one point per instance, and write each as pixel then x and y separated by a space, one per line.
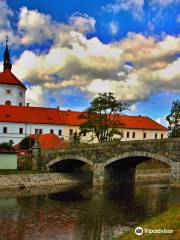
pixel 175 174
pixel 98 174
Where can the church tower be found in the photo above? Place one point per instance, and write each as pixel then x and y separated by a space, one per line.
pixel 12 90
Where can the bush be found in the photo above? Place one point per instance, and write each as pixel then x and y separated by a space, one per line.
pixel 5 146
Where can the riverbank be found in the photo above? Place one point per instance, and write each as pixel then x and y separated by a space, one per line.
pixel 169 220
pixel 21 181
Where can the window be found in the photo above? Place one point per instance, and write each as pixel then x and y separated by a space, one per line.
pixel 20 130
pixel 4 129
pixel 60 132
pixel 20 104
pixel 144 135
pixel 20 94
pixel 36 131
pixel 8 91
pixel 70 131
pixel 155 135
pixel 8 102
pixel 162 135
pixel 51 130
pixel 133 134
pixel 127 135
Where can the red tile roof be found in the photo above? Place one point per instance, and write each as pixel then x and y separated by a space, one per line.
pixel 34 115
pixel 7 77
pixel 49 140
pixel 24 114
pixel 132 122
pixel 72 118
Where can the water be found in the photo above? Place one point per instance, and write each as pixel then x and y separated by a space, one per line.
pixel 81 212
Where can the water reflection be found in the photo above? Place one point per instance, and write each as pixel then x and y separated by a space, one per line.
pixel 82 212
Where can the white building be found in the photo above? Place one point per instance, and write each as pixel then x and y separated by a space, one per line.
pixel 18 121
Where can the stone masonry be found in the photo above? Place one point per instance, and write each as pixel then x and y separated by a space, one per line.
pixel 119 159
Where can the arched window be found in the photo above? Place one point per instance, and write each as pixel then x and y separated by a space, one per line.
pixel 8 102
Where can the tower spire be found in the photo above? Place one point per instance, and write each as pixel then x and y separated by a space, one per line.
pixel 7 60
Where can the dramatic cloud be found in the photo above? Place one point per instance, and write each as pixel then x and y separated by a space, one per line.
pixel 132 68
pixel 36 27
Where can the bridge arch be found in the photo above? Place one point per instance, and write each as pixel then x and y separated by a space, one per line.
pixel 69 157
pixel 122 168
pixel 145 155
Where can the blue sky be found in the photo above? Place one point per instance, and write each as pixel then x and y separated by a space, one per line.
pixel 68 51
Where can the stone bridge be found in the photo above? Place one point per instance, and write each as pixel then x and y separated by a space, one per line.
pixel 116 162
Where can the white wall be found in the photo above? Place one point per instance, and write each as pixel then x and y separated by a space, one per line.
pixel 139 134
pixel 13 130
pixel 14 96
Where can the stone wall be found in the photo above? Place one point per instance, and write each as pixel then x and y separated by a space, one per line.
pixel 21 181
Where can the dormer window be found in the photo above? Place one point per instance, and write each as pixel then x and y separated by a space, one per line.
pixel 8 91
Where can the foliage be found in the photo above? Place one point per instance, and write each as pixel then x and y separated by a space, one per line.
pixel 5 146
pixel 174 119
pixel 102 118
pixel 26 143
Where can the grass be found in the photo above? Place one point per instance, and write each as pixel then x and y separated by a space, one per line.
pixel 167 220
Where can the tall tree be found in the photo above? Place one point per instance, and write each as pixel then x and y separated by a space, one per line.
pixel 174 119
pixel 102 117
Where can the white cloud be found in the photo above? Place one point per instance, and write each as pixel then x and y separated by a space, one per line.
pixel 113 27
pixel 82 23
pixel 6 12
pixel 36 27
pixel 35 96
pixel 133 6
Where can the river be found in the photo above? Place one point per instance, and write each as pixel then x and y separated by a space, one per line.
pixel 81 212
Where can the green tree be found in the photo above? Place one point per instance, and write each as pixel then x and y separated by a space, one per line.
pixel 102 118
pixel 174 119
pixel 26 143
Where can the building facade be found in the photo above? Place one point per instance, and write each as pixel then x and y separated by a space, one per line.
pixel 18 121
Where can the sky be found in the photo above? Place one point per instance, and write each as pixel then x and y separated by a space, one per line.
pixel 66 52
